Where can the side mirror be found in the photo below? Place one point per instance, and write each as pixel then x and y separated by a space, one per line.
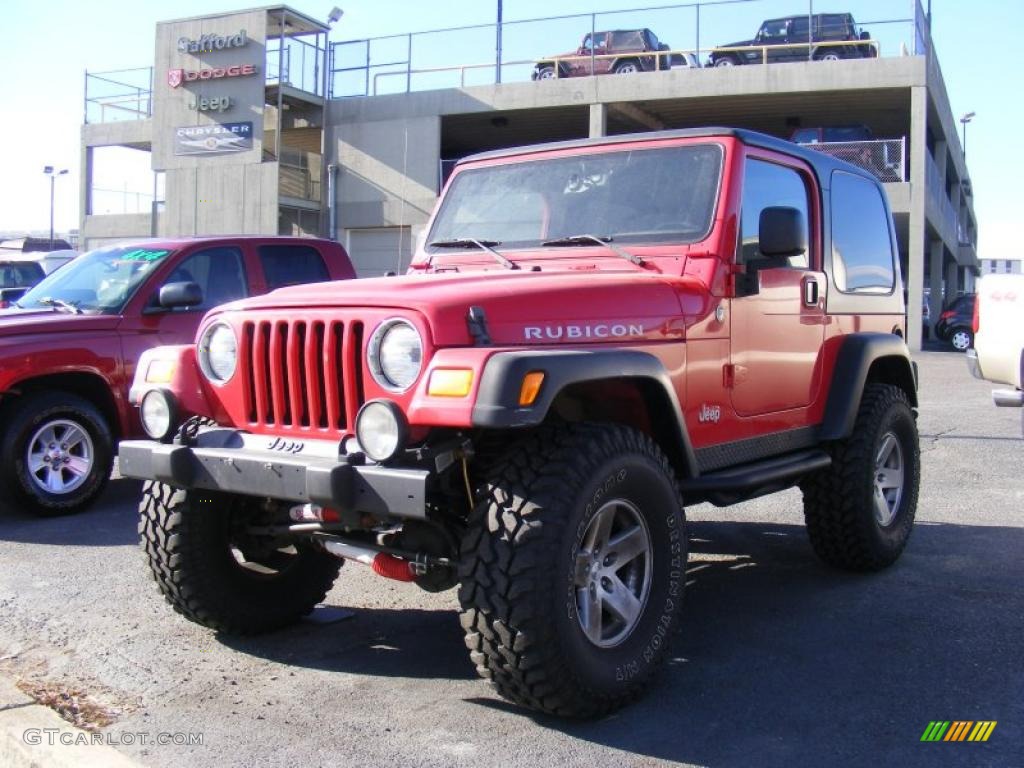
pixel 174 295
pixel 782 232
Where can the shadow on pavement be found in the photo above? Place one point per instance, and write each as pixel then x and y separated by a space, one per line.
pixel 781 661
pixel 110 522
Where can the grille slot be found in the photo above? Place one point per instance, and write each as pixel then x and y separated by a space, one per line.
pixel 302 374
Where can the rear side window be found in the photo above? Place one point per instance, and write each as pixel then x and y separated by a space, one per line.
pixel 291 265
pixel 17 275
pixel 862 257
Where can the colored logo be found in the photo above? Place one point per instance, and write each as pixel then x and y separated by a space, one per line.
pixel 958 730
pixel 174 77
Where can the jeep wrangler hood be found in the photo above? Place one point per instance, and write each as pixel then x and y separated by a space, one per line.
pixel 14 322
pixel 521 307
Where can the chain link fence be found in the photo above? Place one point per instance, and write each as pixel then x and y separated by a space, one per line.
pixel 886 158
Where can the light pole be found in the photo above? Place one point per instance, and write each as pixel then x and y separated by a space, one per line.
pixel 53 174
pixel 964 120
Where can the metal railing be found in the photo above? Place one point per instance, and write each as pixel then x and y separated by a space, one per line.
pixel 886 158
pixel 124 94
pixel 299 65
pixel 354 65
pixel 299 174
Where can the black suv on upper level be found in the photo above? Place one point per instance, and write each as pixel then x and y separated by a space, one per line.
pixel 787 39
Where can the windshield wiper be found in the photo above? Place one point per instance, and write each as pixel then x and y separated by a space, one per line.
pixel 606 241
pixel 67 306
pixel 472 242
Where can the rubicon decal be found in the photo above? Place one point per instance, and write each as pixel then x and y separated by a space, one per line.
pixel 600 331
pixel 177 77
pixel 958 730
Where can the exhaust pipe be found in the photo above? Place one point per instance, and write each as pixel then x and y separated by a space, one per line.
pixel 383 564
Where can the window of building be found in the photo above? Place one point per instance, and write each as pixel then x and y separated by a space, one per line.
pixel 766 185
pixel 219 272
pixel 862 253
pixel 291 265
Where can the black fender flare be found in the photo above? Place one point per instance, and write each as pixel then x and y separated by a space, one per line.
pixel 859 351
pixel 497 403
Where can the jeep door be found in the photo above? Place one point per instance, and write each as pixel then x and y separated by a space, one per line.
pixel 778 317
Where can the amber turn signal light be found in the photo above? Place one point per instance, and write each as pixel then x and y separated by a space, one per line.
pixel 450 382
pixel 530 388
pixel 160 372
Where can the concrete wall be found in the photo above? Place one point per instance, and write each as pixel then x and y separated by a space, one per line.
pixel 389 169
pixel 100 230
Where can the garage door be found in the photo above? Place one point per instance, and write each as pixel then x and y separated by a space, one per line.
pixel 377 251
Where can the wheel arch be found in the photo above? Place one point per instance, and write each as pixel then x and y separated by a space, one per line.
pixel 865 358
pixel 622 386
pixel 89 386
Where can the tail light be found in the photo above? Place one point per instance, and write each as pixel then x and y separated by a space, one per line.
pixel 947 314
pixel 974 321
pixel 4 304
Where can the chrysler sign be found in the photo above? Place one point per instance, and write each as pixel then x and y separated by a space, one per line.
pixel 176 77
pixel 216 139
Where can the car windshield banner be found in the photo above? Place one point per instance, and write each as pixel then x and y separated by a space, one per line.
pixel 213 139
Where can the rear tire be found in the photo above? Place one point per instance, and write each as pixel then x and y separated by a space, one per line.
pixel 627 67
pixel 572 569
pixel 726 61
pixel 194 542
pixel 57 453
pixel 547 72
pixel 961 338
pixel 860 511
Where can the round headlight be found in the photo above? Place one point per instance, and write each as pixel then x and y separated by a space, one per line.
pixel 381 429
pixel 395 355
pixel 157 412
pixel 218 353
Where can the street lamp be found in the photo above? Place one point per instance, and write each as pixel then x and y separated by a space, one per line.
pixel 53 174
pixel 964 120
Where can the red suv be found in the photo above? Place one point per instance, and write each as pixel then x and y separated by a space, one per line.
pixel 616 51
pixel 584 346
pixel 69 346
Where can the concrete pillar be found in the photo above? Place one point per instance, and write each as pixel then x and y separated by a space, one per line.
pixel 952 281
pixel 935 281
pixel 918 195
pixel 598 120
pixel 84 187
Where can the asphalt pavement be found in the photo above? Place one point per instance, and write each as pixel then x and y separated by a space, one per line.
pixel 780 661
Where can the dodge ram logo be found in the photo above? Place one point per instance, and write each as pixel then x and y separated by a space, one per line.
pixel 174 77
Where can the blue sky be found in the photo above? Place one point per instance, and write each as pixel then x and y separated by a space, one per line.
pixel 56 41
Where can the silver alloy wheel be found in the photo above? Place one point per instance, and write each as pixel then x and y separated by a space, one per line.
pixel 60 456
pixel 724 62
pixel 889 477
pixel 961 340
pixel 613 573
pixel 546 73
pixel 626 68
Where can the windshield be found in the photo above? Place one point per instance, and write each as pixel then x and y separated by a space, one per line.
pixel 636 196
pixel 98 281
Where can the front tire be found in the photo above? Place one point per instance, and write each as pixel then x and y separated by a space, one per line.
pixel 57 453
pixel 215 574
pixel 860 511
pixel 627 67
pixel 726 61
pixel 572 569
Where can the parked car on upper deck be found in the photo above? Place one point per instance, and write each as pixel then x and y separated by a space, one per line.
pixel 626 44
pixel 787 39
pixel 69 347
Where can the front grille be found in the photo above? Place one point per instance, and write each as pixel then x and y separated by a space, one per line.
pixel 302 373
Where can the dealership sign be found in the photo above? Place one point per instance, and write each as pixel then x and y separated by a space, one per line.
pixel 176 77
pixel 209 43
pixel 216 139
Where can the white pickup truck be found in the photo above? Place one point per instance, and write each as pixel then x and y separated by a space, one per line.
pixel 998 353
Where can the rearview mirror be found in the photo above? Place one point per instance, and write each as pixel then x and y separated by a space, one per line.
pixel 174 295
pixel 782 232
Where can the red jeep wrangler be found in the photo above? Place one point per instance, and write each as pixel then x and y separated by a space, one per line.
pixel 68 348
pixel 595 334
